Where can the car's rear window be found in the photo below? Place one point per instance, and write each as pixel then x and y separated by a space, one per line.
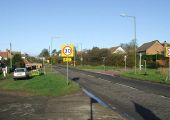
pixel 19 70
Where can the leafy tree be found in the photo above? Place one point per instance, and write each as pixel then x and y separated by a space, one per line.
pixel 17 61
pixel 130 51
pixel 54 52
pixel 44 53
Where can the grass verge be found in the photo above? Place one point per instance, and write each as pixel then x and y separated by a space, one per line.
pixel 151 75
pixel 51 84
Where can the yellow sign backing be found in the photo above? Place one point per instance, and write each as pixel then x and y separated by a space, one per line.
pixel 67 51
pixel 167 53
pixel 67 59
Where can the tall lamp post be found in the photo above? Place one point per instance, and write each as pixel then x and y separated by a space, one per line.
pixel 54 37
pixel 81 57
pixel 134 20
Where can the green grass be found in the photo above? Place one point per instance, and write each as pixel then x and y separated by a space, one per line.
pixel 51 84
pixel 152 75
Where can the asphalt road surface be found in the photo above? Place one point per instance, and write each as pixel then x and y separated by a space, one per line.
pixel 132 99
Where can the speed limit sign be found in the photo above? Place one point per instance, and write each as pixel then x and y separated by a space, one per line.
pixel 167 53
pixel 67 51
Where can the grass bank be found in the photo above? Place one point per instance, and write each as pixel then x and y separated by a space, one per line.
pixel 154 75
pixel 51 84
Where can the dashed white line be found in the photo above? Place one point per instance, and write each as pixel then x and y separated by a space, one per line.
pixel 126 86
pixel 102 79
pixel 90 75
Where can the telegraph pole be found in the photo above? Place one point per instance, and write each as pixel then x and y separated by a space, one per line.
pixel 11 55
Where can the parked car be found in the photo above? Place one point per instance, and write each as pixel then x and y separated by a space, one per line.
pixel 20 73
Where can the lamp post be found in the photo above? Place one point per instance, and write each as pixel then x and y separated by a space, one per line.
pixel 11 56
pixel 54 37
pixel 81 55
pixel 134 20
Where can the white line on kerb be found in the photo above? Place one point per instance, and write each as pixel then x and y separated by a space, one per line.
pixel 165 97
pixel 126 86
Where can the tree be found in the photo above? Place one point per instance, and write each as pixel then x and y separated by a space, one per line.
pixel 54 52
pixel 130 51
pixel 44 53
pixel 17 61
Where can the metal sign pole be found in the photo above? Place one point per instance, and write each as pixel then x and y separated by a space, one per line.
pixel 125 57
pixel 67 71
pixel 169 69
pixel 67 51
pixel 145 67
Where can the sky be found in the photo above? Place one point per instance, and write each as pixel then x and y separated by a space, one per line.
pixel 32 25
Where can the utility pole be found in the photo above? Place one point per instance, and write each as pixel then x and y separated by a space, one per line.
pixel 11 55
pixel 135 40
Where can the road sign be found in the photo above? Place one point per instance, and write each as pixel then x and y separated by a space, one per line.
pixel 67 51
pixel 167 53
pixel 67 59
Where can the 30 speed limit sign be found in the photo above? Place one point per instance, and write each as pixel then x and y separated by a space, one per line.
pixel 167 53
pixel 67 51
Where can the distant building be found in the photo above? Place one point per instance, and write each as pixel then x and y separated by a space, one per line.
pixel 151 48
pixel 5 55
pixel 117 50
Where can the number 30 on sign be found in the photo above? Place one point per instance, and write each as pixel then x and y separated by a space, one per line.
pixel 67 51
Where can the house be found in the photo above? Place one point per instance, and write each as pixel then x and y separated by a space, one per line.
pixel 117 50
pixel 5 55
pixel 151 48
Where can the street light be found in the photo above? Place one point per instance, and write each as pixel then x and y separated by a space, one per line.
pixel 81 57
pixel 54 37
pixel 134 19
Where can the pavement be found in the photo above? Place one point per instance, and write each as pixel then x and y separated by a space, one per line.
pixel 77 106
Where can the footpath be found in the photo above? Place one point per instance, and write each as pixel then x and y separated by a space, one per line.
pixel 78 106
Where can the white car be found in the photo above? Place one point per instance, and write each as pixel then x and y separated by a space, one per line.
pixel 20 73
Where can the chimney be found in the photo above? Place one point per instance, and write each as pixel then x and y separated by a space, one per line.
pixel 165 44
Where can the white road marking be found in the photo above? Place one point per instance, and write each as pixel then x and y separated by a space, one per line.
pixel 90 75
pixel 102 79
pixel 165 97
pixel 126 86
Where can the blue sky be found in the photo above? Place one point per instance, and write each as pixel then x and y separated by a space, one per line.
pixel 30 25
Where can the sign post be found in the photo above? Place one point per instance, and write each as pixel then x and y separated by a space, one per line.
pixel 167 54
pixel 125 58
pixel 67 51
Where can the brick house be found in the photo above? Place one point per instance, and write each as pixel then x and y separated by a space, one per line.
pixel 5 55
pixel 151 48
pixel 154 48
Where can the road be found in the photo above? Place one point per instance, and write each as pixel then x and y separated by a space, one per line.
pixel 132 99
